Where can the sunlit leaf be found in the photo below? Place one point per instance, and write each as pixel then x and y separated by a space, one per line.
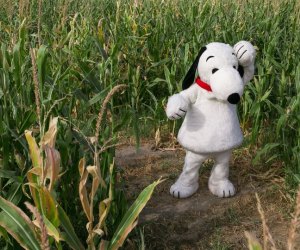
pixel 129 220
pixel 35 171
pixel 34 150
pixel 98 231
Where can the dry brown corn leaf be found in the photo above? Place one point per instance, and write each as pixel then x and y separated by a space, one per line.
pixel 49 137
pixel 52 165
pixel 82 188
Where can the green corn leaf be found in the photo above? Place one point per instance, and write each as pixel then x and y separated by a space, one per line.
pixel 98 97
pixel 69 234
pixel 48 206
pixel 9 175
pixel 14 193
pixel 16 64
pixel 29 118
pixel 3 233
pixel 153 98
pixel 266 95
pixel 1 93
pixel 22 32
pixel 41 63
pixel 42 54
pixel 129 219
pixel 265 151
pixel 18 225
pixel 168 79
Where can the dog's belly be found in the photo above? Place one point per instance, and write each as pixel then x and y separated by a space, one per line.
pixel 210 126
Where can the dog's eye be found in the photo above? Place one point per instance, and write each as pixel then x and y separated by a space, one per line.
pixel 234 67
pixel 214 70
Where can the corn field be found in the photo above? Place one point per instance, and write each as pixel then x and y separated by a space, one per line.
pixel 74 75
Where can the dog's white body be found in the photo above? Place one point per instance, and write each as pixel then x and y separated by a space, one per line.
pixel 208 123
pixel 211 127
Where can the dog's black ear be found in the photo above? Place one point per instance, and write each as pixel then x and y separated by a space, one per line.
pixel 241 70
pixel 190 75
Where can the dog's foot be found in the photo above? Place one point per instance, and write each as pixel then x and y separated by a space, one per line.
pixel 178 190
pixel 223 188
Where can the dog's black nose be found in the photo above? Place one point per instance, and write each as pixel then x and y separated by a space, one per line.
pixel 234 98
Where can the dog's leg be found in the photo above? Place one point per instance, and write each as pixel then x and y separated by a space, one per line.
pixel 187 183
pixel 218 183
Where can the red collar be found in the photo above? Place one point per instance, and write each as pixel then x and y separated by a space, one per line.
pixel 203 85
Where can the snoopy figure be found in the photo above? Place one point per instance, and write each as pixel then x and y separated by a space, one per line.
pixel 211 127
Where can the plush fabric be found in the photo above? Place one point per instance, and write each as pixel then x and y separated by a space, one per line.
pixel 211 127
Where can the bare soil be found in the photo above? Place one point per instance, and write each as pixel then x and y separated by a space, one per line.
pixel 204 221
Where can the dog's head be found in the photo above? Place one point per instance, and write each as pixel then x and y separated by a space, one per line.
pixel 218 67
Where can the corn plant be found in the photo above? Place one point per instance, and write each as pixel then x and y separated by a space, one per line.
pixel 50 223
pixel 45 93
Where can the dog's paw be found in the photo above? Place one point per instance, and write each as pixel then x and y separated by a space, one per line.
pixel 177 107
pixel 245 53
pixel 222 189
pixel 179 191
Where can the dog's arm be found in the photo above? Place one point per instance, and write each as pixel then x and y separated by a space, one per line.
pixel 245 53
pixel 178 104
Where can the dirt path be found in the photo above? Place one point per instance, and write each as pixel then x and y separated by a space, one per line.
pixel 203 221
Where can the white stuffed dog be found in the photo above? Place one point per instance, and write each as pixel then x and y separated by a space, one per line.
pixel 211 127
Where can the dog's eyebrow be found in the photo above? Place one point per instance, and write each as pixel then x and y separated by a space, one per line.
pixel 209 57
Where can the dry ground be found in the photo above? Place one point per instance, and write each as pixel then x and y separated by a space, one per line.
pixel 204 221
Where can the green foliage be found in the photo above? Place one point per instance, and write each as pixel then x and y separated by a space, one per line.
pixel 129 219
pixel 52 220
pixel 18 224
